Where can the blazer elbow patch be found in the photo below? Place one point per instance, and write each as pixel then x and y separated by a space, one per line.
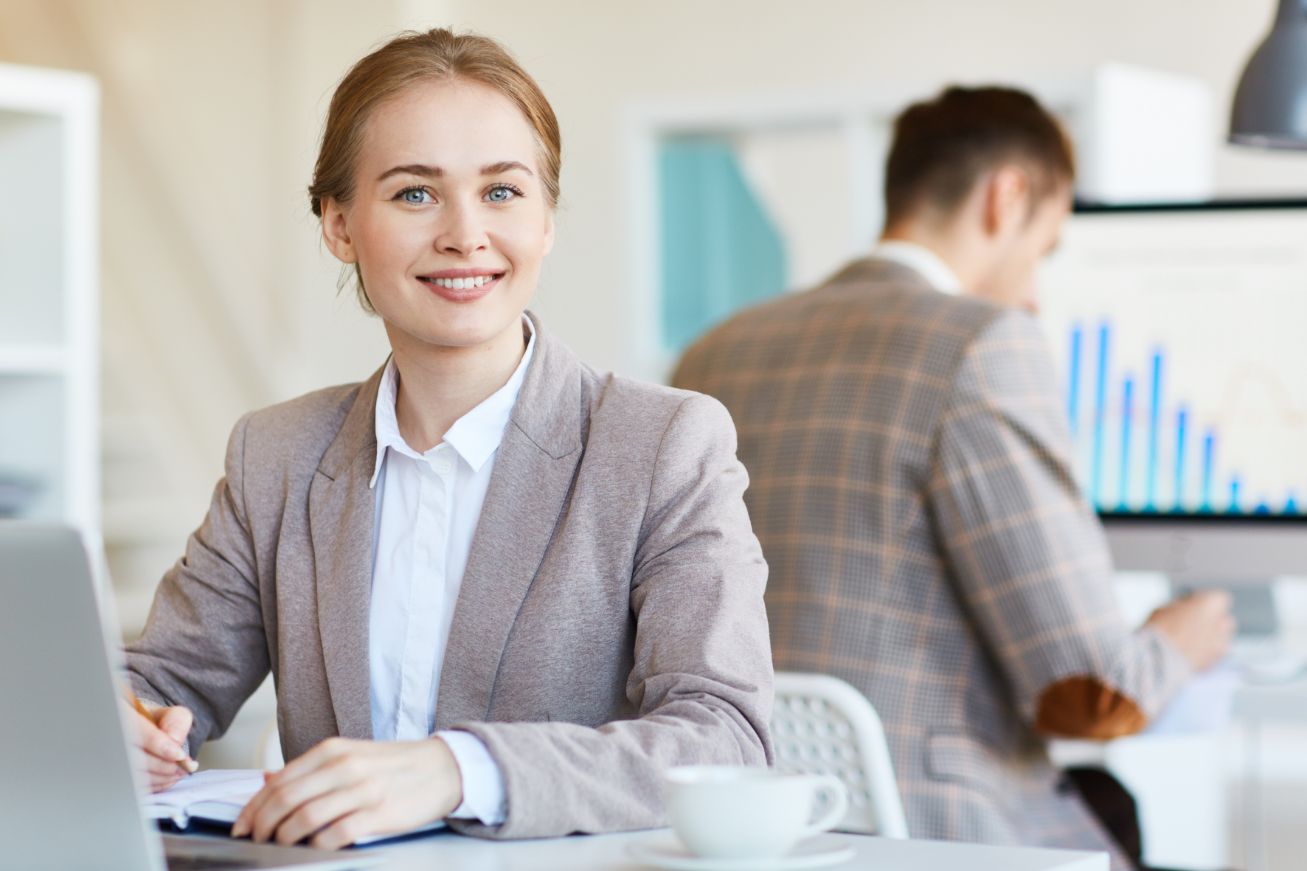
pixel 1084 707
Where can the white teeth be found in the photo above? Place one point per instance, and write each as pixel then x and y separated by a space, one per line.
pixel 463 283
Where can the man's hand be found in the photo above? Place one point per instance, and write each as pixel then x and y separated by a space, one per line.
pixel 160 733
pixel 1200 626
pixel 343 790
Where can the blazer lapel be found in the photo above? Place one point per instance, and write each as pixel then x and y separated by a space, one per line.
pixel 528 490
pixel 342 514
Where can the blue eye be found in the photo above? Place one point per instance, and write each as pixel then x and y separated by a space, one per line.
pixel 414 196
pixel 502 193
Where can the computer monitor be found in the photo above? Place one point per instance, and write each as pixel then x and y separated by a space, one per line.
pixel 1181 336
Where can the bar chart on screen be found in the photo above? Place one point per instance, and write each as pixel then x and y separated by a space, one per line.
pixel 1180 345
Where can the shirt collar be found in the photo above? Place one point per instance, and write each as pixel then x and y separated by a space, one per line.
pixel 921 260
pixel 475 436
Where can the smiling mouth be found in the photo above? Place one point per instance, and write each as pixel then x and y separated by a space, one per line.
pixel 469 282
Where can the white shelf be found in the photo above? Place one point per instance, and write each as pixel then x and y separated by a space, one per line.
pixel 49 293
pixel 32 360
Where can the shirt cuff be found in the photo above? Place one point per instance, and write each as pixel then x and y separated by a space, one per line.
pixel 483 782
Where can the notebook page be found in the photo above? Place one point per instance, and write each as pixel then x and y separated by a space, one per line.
pixel 215 789
pixel 218 794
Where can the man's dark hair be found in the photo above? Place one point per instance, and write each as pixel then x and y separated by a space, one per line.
pixel 943 146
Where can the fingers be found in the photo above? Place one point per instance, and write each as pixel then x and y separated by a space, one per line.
pixel 176 723
pixel 164 759
pixel 328 767
pixel 347 830
pixel 1213 601
pixel 343 790
pixel 160 773
pixel 155 766
pixel 154 741
pixel 1200 626
pixel 314 816
pixel 1226 627
pixel 160 782
pixel 1213 607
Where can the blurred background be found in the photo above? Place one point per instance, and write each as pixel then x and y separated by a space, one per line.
pixel 218 297
pixel 215 295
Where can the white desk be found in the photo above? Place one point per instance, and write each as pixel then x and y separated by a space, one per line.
pixel 1254 706
pixel 1286 702
pixel 449 852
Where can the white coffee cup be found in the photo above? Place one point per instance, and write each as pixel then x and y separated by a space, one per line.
pixel 736 812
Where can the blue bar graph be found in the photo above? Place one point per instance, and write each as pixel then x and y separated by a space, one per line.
pixel 1100 414
pixel 1154 417
pixel 1073 380
pixel 1140 464
pixel 1209 449
pixel 1181 424
pixel 1127 412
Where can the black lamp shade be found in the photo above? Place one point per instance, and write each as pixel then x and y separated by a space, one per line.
pixel 1270 104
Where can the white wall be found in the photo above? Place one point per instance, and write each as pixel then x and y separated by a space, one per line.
pixel 595 59
pixel 212 115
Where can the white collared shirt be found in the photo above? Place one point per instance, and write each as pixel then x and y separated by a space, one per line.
pixel 427 507
pixel 921 260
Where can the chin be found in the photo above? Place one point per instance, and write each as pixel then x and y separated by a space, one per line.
pixel 455 326
pixel 466 335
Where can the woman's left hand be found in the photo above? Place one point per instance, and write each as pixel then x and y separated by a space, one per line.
pixel 343 790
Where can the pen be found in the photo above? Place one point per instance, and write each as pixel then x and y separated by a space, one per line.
pixel 187 764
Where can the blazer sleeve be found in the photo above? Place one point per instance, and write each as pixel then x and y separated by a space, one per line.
pixel 702 674
pixel 204 645
pixel 1027 552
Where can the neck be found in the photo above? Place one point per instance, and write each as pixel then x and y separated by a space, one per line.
pixel 957 249
pixel 438 385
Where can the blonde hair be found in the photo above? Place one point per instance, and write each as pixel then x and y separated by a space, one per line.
pixel 410 58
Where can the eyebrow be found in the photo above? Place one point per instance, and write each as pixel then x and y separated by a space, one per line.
pixel 436 172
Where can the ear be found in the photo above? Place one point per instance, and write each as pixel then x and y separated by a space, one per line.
pixel 1007 200
pixel 549 232
pixel 335 231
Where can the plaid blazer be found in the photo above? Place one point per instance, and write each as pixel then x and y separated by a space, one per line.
pixel 913 493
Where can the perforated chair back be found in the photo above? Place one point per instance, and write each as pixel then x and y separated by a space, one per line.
pixel 822 725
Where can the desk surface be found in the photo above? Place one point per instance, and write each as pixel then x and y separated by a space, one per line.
pixel 1286 701
pixel 450 852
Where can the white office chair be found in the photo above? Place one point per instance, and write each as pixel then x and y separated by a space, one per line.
pixel 822 725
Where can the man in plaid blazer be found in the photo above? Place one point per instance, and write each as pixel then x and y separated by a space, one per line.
pixel 912 489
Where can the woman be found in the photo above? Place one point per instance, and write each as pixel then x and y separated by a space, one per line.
pixel 535 581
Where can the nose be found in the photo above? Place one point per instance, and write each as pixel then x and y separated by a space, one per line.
pixel 459 230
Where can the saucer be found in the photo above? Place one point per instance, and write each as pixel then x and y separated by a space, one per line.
pixel 666 851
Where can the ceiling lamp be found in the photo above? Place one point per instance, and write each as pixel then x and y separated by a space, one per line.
pixel 1270 104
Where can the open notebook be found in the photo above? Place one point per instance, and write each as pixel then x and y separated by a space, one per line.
pixel 216 796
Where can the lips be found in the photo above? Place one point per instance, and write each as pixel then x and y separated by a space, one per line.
pixel 461 285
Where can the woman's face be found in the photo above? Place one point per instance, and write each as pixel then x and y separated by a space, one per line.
pixel 449 221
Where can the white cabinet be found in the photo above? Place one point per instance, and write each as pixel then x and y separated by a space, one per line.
pixel 49 297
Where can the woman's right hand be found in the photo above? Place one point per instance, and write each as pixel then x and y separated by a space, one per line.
pixel 160 734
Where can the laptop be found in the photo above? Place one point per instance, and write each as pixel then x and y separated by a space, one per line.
pixel 68 792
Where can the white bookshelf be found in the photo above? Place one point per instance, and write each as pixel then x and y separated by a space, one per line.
pixel 49 297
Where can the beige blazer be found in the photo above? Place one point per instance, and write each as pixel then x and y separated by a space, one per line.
pixel 913 491
pixel 610 622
